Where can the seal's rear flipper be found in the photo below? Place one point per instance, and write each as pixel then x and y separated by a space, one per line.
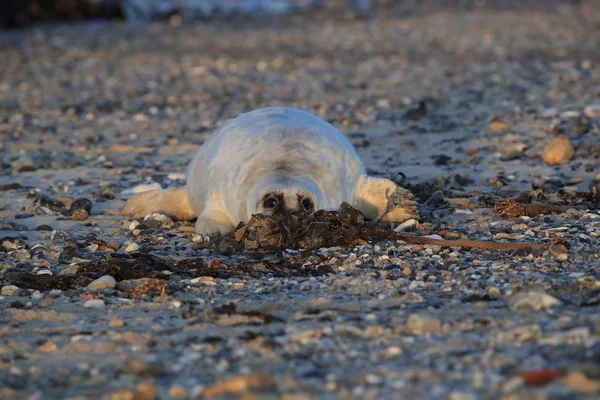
pixel 382 198
pixel 173 202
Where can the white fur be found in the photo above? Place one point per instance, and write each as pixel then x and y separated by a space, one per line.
pixel 275 148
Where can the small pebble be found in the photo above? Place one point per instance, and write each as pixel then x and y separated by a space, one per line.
pixel 115 323
pixel 9 290
pixel 80 215
pixel 557 151
pixel 21 255
pixel 165 221
pixel 405 225
pixel 82 204
pixel 47 347
pixel 37 295
pixel 532 300
pixel 104 282
pixel 389 352
pixel 498 126
pixel 94 303
pixel 571 114
pixel 177 392
pixel 176 176
pixel 70 270
pixel 46 302
pixel 420 324
pixel 44 272
pixel 109 194
pixel 592 111
pixel 132 247
pixel 205 280
pixel 59 235
pixel 580 383
pixel 434 236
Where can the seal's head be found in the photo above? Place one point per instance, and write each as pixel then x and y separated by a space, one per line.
pixel 284 193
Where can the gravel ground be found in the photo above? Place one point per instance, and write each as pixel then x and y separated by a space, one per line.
pixel 458 104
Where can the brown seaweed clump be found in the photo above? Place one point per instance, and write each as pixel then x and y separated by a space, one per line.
pixel 301 230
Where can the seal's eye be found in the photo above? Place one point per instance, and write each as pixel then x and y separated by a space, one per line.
pixel 270 202
pixel 307 204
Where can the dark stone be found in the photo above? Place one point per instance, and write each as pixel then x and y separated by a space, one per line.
pixel 82 204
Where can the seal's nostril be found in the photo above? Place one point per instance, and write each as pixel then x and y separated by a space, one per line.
pixel 307 204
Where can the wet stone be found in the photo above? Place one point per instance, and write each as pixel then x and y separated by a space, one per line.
pixel 82 204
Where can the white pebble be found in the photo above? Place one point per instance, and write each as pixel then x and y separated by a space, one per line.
pixel 104 282
pixel 44 272
pixel 94 303
pixel 133 225
pixel 132 247
pixel 405 225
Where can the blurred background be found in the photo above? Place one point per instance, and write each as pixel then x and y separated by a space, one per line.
pixel 20 13
pixel 415 85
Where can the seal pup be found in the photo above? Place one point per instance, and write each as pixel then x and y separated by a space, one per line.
pixel 267 160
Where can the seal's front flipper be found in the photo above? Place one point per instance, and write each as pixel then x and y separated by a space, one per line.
pixel 173 202
pixel 380 197
pixel 213 222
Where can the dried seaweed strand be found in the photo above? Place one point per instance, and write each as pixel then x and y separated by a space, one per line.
pixel 514 209
pixel 391 235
